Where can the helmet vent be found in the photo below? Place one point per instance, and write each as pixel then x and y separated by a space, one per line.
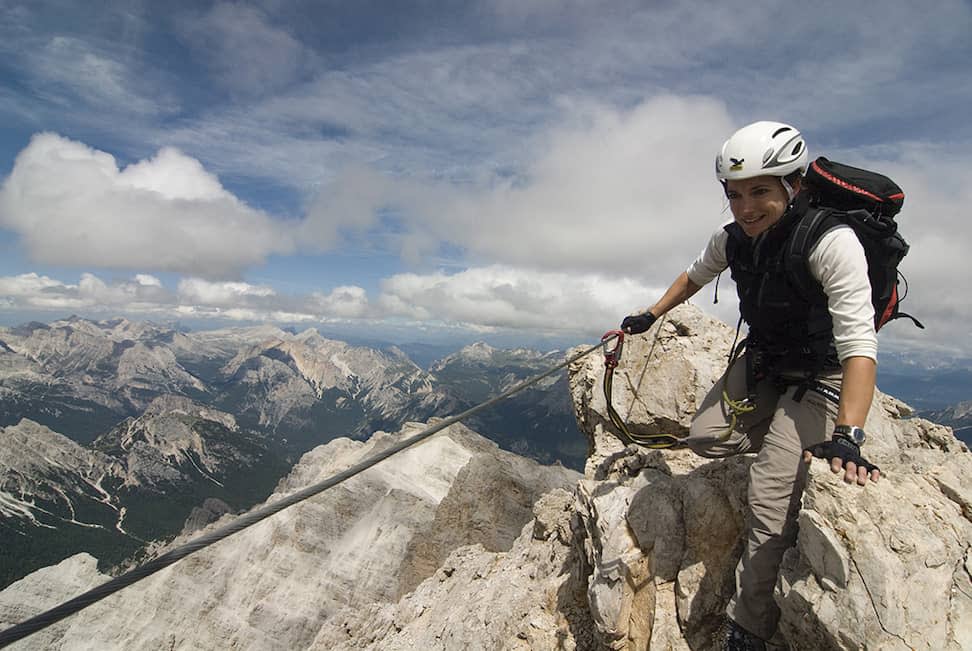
pixel 780 130
pixel 798 148
pixel 768 155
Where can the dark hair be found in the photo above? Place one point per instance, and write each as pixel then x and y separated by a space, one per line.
pixel 790 178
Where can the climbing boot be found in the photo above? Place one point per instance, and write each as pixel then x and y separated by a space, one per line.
pixel 739 639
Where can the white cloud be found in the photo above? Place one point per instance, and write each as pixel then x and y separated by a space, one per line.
pixel 505 297
pixel 200 298
pixel 622 191
pixel 42 292
pixel 175 176
pixel 147 280
pixel 221 294
pixel 71 205
pixel 350 203
pixel 346 302
pixel 937 181
pixel 29 284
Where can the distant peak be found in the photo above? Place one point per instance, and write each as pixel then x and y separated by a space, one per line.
pixel 480 349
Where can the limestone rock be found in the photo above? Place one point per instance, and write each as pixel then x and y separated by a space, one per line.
pixel 885 566
pixel 661 536
pixel 662 377
pixel 313 571
pixel 521 599
pixel 44 589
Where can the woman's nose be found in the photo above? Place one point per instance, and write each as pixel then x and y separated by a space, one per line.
pixel 744 206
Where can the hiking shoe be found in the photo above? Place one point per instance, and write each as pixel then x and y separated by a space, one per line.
pixel 739 639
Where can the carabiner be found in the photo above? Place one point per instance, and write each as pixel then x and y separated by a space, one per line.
pixel 612 355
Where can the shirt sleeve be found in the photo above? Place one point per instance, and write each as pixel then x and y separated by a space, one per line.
pixel 839 265
pixel 711 261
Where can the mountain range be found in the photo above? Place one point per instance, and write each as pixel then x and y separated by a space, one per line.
pixel 114 433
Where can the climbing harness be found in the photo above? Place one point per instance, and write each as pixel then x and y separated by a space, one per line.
pixel 737 408
pixel 98 593
pixel 612 355
pixel 755 372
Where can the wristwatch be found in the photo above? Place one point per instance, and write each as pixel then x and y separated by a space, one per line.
pixel 854 433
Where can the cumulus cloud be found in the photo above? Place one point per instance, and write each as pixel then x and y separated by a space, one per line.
pixel 622 191
pixel 30 284
pixel 71 205
pixel 146 294
pixel 505 297
pixel 938 190
pixel 221 294
pixel 147 280
pixel 607 191
pixel 42 292
pixel 346 302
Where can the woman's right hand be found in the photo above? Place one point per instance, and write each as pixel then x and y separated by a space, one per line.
pixel 638 323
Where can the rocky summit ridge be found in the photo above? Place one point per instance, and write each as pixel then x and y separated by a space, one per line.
pixel 665 526
pixel 458 545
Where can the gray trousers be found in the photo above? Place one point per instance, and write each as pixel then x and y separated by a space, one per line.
pixel 777 431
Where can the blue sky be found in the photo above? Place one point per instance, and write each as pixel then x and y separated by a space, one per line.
pixel 515 166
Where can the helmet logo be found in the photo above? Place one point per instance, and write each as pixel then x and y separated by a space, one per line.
pixel 737 164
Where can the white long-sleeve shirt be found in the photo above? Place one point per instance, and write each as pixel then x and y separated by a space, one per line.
pixel 837 262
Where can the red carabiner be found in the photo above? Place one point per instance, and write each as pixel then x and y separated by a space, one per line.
pixel 612 355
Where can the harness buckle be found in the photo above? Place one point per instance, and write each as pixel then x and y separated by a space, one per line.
pixel 612 355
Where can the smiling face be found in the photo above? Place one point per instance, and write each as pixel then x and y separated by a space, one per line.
pixel 757 203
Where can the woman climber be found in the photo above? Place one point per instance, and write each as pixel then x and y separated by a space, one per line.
pixel 804 384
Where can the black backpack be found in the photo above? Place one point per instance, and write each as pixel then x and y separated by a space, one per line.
pixel 867 202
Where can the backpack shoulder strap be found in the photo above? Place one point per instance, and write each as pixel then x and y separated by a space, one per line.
pixel 732 242
pixel 804 237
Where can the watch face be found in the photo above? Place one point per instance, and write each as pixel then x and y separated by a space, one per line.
pixel 855 434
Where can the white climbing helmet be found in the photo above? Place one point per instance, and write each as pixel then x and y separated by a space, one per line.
pixel 762 148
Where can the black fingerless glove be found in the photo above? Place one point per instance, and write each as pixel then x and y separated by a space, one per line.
pixel 843 448
pixel 639 323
